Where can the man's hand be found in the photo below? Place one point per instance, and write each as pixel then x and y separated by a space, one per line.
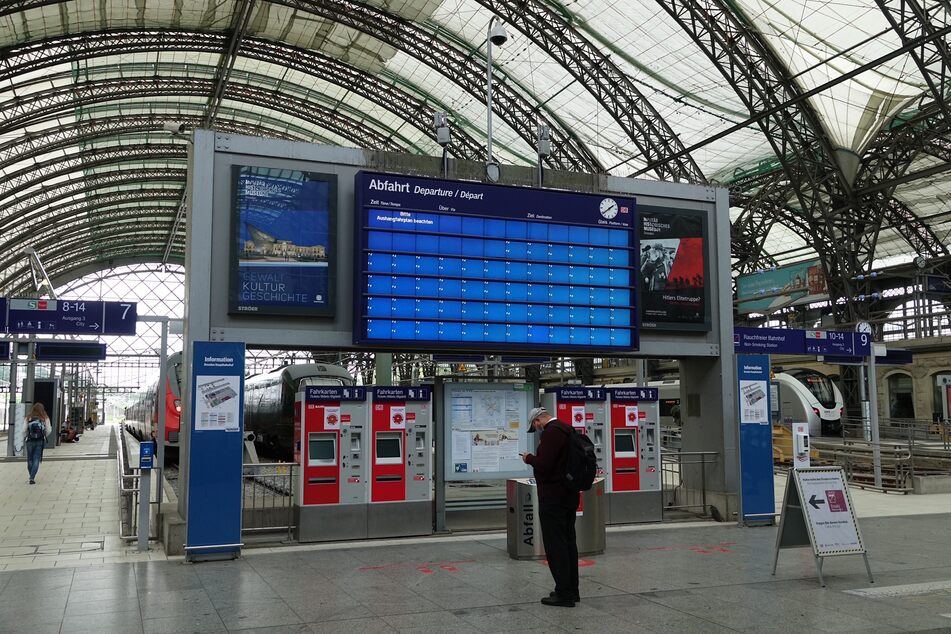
pixel 525 457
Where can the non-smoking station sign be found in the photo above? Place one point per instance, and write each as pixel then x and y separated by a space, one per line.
pixel 817 342
pixel 460 265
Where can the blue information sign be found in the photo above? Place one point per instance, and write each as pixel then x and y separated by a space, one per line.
pixel 393 393
pixel 818 342
pixel 71 317
pixel 78 351
pixel 577 393
pixel 629 394
pixel 146 454
pixel 829 342
pixel 756 437
pixel 317 393
pixel 3 314
pixel 448 264
pixel 216 450
pixel 769 340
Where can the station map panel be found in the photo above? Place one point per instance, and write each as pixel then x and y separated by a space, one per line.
pixel 449 264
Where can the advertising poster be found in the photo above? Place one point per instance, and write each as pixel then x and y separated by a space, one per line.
pixel 673 270
pixel 283 242
pixel 801 283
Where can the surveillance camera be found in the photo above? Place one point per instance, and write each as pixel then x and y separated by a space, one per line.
pixel 174 128
pixel 497 34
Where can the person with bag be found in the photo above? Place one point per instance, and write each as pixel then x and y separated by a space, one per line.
pixel 557 504
pixel 37 428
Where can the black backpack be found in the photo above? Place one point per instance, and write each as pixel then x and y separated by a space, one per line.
pixel 36 430
pixel 582 464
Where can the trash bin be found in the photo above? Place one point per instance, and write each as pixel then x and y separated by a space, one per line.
pixel 523 529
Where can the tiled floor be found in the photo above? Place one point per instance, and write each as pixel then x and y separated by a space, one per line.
pixel 58 540
pixel 70 517
pixel 714 578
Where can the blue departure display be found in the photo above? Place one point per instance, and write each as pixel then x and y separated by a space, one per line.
pixel 468 265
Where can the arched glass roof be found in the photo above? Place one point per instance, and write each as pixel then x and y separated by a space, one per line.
pixel 828 120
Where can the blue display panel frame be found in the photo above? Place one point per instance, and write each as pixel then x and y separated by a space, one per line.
pixel 272 210
pixel 452 265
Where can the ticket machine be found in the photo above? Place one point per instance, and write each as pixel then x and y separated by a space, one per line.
pixel 330 445
pixel 400 462
pixel 584 408
pixel 632 456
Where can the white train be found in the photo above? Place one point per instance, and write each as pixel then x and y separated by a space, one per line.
pixel 804 396
pixel 810 396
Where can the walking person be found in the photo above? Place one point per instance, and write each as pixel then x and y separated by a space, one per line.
pixel 37 428
pixel 557 505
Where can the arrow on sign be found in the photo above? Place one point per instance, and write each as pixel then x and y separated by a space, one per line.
pixel 94 326
pixel 814 502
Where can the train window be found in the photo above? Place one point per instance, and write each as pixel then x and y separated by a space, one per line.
pixel 175 376
pixel 389 448
pixel 321 449
pixel 818 384
pixel 624 446
pixel 324 380
pixel 901 403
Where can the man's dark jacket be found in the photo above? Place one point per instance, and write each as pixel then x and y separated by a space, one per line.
pixel 550 461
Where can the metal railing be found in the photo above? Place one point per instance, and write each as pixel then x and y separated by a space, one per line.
pixel 912 431
pixel 907 447
pixel 267 493
pixel 128 481
pixel 682 472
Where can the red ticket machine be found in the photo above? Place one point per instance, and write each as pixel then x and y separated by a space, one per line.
pixel 632 460
pixel 330 447
pixel 400 462
pixel 581 407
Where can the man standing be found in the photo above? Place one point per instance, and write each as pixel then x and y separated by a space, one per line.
pixel 557 505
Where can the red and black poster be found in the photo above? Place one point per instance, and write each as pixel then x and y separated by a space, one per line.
pixel 673 269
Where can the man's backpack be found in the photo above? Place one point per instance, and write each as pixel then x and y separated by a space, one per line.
pixel 36 430
pixel 582 464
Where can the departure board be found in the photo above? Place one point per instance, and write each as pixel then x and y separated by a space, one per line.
pixel 457 265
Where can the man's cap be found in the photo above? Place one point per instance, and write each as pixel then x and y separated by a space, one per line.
pixel 532 415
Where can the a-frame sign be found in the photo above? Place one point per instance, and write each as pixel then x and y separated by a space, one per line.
pixel 818 512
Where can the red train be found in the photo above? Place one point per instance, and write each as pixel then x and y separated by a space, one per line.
pixel 141 418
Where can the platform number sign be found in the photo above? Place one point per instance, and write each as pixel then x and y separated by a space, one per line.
pixel 71 317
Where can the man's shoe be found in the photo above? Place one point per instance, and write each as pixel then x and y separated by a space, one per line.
pixel 558 602
pixel 32 482
pixel 577 598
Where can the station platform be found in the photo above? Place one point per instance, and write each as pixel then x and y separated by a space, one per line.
pixel 59 539
pixel 678 578
pixel 70 517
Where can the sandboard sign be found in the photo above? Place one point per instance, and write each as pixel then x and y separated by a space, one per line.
pixel 817 512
